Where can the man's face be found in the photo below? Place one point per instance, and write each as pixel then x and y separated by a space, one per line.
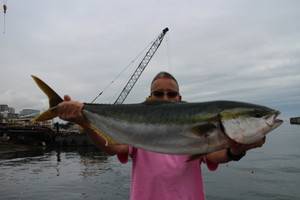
pixel 165 89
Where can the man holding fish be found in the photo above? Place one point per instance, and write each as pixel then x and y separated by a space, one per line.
pixel 160 175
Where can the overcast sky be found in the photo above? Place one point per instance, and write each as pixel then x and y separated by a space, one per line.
pixel 218 50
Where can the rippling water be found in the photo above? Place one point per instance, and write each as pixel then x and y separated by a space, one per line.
pixel 72 174
pixel 272 172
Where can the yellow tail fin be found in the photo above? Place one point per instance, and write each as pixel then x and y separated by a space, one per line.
pixel 54 100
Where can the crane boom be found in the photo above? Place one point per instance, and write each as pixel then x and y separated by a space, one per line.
pixel 139 70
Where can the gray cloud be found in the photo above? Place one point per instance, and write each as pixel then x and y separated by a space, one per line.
pixel 238 50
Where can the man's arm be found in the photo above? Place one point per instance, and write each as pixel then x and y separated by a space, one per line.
pixel 235 152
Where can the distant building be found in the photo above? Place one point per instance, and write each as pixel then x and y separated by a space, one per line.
pixel 12 115
pixel 11 110
pixel 4 114
pixel 2 120
pixel 29 112
pixel 7 112
pixel 3 107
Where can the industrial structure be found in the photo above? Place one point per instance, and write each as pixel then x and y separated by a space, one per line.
pixel 139 70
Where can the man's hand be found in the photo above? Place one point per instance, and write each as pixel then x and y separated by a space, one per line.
pixel 237 149
pixel 71 111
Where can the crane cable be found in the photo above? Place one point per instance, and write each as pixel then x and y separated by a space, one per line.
pixel 126 67
pixel 169 62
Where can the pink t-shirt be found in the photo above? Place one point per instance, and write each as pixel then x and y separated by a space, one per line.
pixel 158 176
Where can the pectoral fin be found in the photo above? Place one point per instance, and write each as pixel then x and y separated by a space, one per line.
pixel 203 129
pixel 108 140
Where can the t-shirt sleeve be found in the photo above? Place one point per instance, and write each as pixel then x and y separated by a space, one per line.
pixel 123 158
pixel 210 165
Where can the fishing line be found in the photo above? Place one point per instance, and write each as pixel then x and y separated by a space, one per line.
pixel 168 54
pixel 126 67
pixel 4 24
pixel 4 6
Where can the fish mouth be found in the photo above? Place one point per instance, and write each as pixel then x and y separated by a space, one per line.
pixel 272 120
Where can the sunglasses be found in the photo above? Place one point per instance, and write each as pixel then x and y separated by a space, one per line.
pixel 160 94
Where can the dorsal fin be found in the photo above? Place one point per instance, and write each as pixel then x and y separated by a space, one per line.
pixel 150 101
pixel 156 102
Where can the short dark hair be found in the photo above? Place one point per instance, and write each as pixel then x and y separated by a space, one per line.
pixel 164 75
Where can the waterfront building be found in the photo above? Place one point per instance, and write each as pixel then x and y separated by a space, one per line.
pixel 11 110
pixel 3 107
pixel 29 113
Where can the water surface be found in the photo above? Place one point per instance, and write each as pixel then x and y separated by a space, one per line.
pixel 271 172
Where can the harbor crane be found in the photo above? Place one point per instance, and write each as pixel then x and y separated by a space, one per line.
pixel 139 70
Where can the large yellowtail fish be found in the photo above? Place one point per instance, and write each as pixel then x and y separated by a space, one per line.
pixel 174 128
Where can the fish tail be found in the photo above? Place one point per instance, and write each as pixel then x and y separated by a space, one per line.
pixel 54 100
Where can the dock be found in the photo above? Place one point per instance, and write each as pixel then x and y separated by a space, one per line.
pixel 295 120
pixel 36 135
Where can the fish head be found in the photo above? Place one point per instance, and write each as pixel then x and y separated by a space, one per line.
pixel 247 124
